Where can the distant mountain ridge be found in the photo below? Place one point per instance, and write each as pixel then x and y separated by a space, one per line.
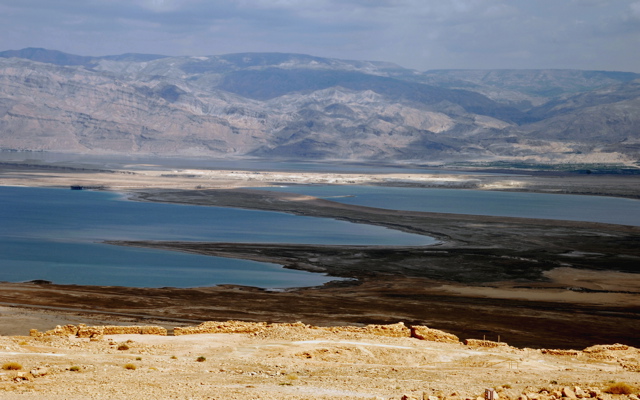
pixel 302 106
pixel 65 59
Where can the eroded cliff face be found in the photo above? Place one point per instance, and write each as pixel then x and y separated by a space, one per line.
pixel 302 107
pixel 46 107
pixel 49 107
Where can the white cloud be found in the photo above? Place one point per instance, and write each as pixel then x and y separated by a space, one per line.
pixel 635 9
pixel 161 5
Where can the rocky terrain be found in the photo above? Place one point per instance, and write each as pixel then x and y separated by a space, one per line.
pixel 299 106
pixel 235 360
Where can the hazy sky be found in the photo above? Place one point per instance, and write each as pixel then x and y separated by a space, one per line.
pixel 419 34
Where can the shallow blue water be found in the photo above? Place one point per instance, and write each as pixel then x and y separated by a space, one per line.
pixel 54 234
pixel 508 204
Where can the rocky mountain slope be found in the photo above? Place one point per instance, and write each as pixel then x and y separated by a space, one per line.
pixel 299 106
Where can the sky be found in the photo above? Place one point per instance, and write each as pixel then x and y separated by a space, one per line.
pixel 417 34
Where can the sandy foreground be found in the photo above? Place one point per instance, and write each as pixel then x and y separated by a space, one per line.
pixel 294 361
pixel 577 302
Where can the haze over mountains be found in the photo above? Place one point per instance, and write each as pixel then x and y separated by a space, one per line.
pixel 300 106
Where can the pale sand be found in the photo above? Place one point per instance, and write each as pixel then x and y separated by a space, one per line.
pixel 611 288
pixel 297 364
pixel 132 179
pixel 547 295
pixel 123 180
pixel 596 280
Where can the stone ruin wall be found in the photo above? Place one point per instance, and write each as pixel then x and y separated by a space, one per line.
pixel 626 356
pixel 84 331
pixel 392 330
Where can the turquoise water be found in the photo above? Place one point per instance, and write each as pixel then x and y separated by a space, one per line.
pixel 55 234
pixel 508 204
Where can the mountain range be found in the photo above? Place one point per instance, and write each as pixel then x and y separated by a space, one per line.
pixel 296 106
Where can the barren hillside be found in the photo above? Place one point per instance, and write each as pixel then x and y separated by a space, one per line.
pixel 304 107
pixel 233 360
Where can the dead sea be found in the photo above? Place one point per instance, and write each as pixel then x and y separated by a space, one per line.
pixel 499 255
pixel 56 235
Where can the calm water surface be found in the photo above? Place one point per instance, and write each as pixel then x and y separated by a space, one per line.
pixel 54 234
pixel 458 201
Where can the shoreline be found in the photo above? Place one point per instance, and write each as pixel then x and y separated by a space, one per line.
pixel 124 179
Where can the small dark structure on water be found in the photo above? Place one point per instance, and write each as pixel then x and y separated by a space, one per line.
pixel 80 187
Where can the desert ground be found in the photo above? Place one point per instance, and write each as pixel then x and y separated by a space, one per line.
pixel 235 360
pixel 533 284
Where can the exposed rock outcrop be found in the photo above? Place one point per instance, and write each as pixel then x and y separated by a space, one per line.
pixel 600 348
pixel 484 343
pixel 561 352
pixel 433 335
